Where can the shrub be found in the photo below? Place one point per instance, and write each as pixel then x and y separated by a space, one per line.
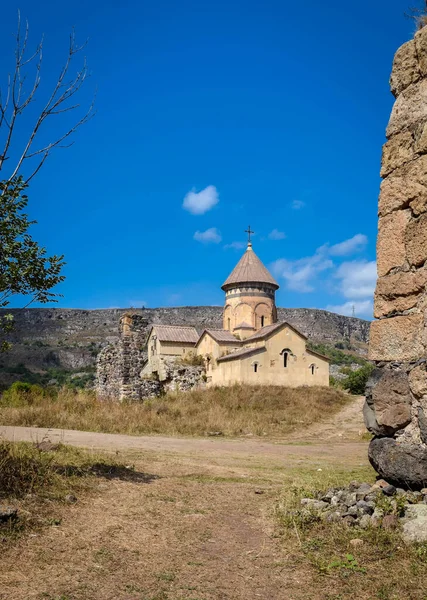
pixel 356 381
pixel 22 394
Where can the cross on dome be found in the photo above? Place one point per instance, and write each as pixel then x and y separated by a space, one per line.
pixel 249 232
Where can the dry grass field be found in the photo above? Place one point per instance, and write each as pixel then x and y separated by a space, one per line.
pixel 232 411
pixel 196 518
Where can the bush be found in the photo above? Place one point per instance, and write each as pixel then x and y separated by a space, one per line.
pixel 24 394
pixel 357 380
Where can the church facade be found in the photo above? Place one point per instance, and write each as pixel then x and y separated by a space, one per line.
pixel 252 347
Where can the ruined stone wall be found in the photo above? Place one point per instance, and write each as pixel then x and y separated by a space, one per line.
pixel 396 406
pixel 119 366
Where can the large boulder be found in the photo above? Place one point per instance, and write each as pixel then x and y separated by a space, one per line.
pixel 402 464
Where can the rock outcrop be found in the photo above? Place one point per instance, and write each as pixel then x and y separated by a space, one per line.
pixel 396 397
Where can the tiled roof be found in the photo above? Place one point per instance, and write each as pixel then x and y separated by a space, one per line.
pixel 244 325
pixel 264 332
pixel 176 333
pixel 250 269
pixel 269 329
pixel 222 335
pixel 242 354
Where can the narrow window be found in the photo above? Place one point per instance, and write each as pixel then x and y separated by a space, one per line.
pixel 285 359
pixel 255 367
pixel 229 324
pixel 313 368
pixel 262 321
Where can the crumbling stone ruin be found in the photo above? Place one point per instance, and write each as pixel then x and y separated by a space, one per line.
pixel 396 404
pixel 119 366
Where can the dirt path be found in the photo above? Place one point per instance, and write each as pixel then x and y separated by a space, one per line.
pixel 280 450
pixel 202 529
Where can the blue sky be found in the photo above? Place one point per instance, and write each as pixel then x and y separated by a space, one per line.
pixel 211 116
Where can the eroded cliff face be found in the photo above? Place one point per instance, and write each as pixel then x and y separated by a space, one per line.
pixel 396 406
pixel 71 339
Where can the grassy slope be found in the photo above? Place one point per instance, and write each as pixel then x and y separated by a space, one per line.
pixel 238 410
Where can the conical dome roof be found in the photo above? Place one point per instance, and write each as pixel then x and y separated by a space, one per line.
pixel 249 269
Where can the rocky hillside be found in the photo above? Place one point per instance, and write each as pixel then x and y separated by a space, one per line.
pixel 69 339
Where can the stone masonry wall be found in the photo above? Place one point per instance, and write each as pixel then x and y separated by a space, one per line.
pixel 119 366
pixel 396 404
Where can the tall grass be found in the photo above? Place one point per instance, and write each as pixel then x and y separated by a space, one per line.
pixel 231 411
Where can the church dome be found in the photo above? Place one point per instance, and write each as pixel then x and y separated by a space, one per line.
pixel 249 269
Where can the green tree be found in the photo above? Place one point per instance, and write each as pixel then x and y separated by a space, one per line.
pixel 24 147
pixel 24 267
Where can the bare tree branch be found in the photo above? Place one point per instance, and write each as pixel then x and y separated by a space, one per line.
pixel 16 100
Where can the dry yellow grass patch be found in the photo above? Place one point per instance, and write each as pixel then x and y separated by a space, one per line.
pixel 231 411
pixel 35 478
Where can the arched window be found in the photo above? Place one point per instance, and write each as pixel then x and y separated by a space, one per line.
pixel 262 321
pixel 312 369
pixel 285 360
pixel 255 365
pixel 229 324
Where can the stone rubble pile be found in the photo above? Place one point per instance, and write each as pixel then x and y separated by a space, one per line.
pixel 379 505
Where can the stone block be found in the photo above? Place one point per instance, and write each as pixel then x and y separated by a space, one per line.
pixel 396 152
pixel 384 308
pixel 418 380
pixel 404 465
pixel 409 109
pixel 416 241
pixel 397 338
pixel 402 284
pixel 405 68
pixel 391 401
pixel 420 50
pixel 398 190
pixel 420 145
pixel 422 425
pixel 391 250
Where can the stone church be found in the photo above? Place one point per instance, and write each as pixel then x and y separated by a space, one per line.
pixel 252 347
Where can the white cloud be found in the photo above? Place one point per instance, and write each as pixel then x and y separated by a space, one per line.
pixel 210 236
pixel 301 274
pixel 235 246
pixel 350 246
pixel 361 308
pixel 358 278
pixel 297 204
pixel 276 235
pixel 198 203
